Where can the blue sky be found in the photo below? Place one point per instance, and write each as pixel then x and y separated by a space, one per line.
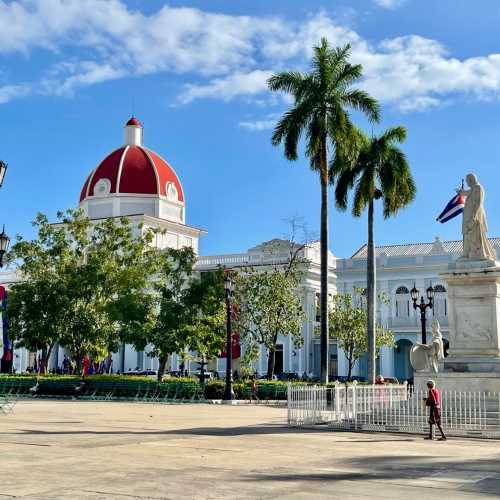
pixel 194 72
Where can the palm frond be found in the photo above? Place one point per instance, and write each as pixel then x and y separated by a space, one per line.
pixel 290 127
pixel 287 81
pixel 362 101
pixel 347 75
pixel 347 174
pixel 392 134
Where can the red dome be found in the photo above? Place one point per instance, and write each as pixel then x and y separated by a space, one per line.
pixel 134 121
pixel 133 170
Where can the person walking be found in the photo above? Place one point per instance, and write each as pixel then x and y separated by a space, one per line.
pixel 433 401
pixel 254 389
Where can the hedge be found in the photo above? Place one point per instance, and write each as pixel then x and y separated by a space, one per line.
pixel 133 387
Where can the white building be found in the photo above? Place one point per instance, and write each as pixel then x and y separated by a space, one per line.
pixel 136 182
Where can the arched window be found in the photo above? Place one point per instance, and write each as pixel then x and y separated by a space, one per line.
pixel 440 307
pixel 402 302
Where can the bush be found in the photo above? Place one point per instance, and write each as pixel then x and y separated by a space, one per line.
pixel 131 387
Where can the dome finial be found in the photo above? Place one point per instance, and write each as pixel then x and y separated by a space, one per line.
pixel 133 132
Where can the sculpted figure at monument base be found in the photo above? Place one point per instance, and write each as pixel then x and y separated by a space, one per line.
pixel 425 357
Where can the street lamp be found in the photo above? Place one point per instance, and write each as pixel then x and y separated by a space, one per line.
pixel 228 286
pixel 422 306
pixel 4 245
pixel 3 169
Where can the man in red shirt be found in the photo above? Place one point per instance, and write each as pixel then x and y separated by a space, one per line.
pixel 433 401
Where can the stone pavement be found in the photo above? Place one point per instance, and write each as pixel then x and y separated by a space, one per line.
pixel 96 450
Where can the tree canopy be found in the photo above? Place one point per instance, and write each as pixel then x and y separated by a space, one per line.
pixel 348 317
pixel 83 284
pixel 268 304
pixel 184 310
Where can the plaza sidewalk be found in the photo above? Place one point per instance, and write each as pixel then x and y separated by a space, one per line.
pixel 96 450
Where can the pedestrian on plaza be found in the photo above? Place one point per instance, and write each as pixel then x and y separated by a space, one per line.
pixel 85 365
pixel 254 389
pixel 65 364
pixel 379 380
pixel 433 401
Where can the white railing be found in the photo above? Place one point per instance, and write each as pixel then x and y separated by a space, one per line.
pixel 392 408
pixel 241 260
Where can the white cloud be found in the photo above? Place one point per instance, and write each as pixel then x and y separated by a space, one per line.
pixel 267 123
pixel 389 4
pixel 227 88
pixel 65 78
pixel 10 92
pixel 224 56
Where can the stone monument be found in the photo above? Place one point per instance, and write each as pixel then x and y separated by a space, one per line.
pixel 426 357
pixel 473 362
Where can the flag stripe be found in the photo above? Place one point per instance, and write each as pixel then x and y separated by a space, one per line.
pixel 453 208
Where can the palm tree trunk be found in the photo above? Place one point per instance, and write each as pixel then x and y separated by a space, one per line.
pixel 370 293
pixel 324 264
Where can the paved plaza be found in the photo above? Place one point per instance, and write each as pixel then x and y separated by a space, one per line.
pixel 97 450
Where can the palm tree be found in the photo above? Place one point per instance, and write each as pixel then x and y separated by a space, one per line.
pixel 320 111
pixel 379 170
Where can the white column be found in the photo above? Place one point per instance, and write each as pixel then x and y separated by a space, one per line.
pixel 290 355
pixel 342 363
pixel 310 309
pixel 385 309
pixel 387 361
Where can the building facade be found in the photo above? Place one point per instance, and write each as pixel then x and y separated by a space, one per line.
pixel 136 182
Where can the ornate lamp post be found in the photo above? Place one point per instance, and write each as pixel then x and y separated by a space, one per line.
pixel 4 245
pixel 3 169
pixel 422 306
pixel 228 286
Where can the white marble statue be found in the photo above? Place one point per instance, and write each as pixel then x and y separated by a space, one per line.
pixel 474 226
pixel 424 357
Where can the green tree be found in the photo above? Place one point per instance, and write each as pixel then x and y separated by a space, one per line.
pixel 379 170
pixel 83 284
pixel 36 310
pixel 183 310
pixel 268 304
pixel 206 330
pixel 348 320
pixel 168 317
pixel 320 111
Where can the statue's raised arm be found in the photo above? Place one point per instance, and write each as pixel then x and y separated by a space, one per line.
pixel 474 225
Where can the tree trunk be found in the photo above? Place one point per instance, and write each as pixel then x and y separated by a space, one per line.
pixel 161 367
pixel 78 361
pixel 42 369
pixel 324 264
pixel 349 370
pixel 270 363
pixel 371 294
pixel 45 359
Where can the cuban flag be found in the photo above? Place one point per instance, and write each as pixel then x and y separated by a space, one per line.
pixel 454 207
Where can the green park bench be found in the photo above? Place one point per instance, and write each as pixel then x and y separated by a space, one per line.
pixel 56 388
pixel 147 391
pixel 16 387
pixel 99 390
pixel 7 405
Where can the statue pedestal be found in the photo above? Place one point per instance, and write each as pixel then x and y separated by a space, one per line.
pixel 474 316
pixel 460 382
